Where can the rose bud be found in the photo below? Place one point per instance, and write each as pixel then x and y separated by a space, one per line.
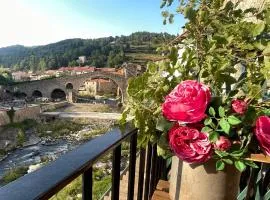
pixel 262 133
pixel 239 106
pixel 223 144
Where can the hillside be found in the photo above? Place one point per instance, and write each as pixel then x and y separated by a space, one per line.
pixel 138 47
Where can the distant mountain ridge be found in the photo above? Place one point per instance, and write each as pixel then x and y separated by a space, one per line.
pixel 109 51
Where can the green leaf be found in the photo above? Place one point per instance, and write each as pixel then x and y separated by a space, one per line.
pixel 163 124
pixel 240 165
pixel 221 153
pixel 206 129
pixel 207 121
pixel 234 120
pixel 220 165
pixel 212 111
pixel 190 13
pixel 221 111
pixel 224 124
pixel 266 112
pixel 160 151
pixel 266 51
pixel 213 137
pixel 258 29
pixel 237 153
pixel 228 161
pixel 251 164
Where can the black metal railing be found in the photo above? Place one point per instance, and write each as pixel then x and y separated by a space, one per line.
pixel 44 183
pixel 255 183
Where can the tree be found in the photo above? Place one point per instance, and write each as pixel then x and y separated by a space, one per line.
pixel 5 77
pixel 62 53
pixel 33 63
pixel 42 65
pixel 72 63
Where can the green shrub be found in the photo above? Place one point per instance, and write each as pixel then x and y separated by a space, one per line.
pixel 24 125
pixel 58 128
pixel 100 187
pixel 2 152
pixel 21 137
pixel 72 190
pixel 14 174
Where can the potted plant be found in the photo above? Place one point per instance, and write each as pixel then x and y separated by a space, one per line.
pixel 204 101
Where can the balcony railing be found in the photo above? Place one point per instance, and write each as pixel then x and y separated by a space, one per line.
pixel 50 179
pixel 257 185
pixel 44 183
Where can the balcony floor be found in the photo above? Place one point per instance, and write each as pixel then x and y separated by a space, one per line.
pixel 162 191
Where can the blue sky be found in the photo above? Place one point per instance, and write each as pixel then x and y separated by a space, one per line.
pixel 38 22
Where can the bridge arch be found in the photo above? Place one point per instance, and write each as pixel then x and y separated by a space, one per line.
pixel 20 95
pixel 58 94
pixel 36 94
pixel 69 86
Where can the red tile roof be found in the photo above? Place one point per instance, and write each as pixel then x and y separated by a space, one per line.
pixel 78 69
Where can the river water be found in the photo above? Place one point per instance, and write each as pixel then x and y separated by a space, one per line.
pixel 32 155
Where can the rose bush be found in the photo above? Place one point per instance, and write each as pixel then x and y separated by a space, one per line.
pixel 189 144
pixel 230 57
pixel 239 106
pixel 262 133
pixel 187 102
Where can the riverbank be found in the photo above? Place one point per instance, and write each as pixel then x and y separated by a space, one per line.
pixel 32 142
pixel 39 155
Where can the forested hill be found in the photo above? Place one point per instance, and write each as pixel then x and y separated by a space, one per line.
pixel 110 51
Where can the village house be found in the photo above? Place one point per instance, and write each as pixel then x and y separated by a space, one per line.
pixel 20 76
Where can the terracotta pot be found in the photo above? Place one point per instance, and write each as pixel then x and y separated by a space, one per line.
pixel 202 182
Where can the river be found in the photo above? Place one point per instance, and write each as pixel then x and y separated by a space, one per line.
pixel 33 154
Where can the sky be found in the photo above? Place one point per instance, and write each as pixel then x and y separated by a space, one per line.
pixel 39 22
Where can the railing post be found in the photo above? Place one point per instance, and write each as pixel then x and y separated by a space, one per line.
pixel 163 175
pixel 153 171
pixel 87 180
pixel 132 166
pixel 141 175
pixel 157 170
pixel 116 172
pixel 147 172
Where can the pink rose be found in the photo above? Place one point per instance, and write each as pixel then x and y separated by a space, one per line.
pixel 187 102
pixel 239 106
pixel 223 144
pixel 189 144
pixel 197 126
pixel 262 133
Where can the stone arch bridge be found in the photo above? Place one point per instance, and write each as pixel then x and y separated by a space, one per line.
pixel 45 87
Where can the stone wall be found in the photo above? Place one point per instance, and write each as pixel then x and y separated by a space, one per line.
pixel 4 119
pixel 20 115
pixel 53 106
